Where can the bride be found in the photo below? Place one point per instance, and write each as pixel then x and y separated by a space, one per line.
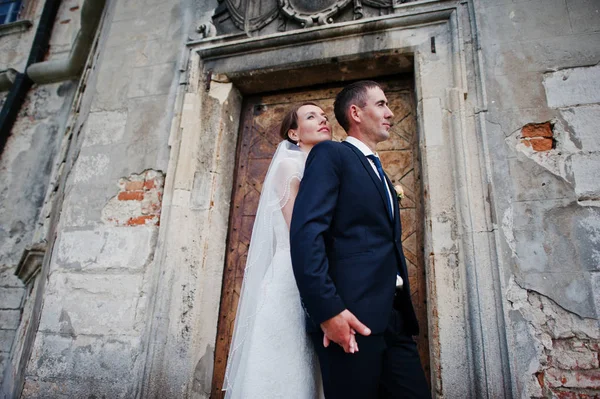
pixel 270 355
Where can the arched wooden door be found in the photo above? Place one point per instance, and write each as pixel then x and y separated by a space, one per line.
pixel 259 136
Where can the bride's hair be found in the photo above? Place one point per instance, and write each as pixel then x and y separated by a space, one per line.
pixel 290 121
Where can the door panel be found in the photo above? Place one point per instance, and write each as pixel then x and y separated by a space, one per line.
pixel 259 136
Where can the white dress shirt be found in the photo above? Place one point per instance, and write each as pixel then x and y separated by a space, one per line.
pixel 367 151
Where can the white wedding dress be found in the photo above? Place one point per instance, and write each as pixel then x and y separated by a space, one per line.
pixel 271 355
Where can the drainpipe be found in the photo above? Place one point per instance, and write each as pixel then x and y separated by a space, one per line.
pixel 71 67
pixel 22 83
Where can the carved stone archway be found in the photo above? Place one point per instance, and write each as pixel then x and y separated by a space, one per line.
pixel 433 40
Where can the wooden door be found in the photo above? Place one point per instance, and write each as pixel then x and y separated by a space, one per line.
pixel 259 136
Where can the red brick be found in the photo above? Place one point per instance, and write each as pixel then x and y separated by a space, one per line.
pixel 134 185
pixel 151 208
pixel 586 379
pixel 569 394
pixel 131 196
pixel 564 394
pixel 537 130
pixel 541 144
pixel 540 378
pixel 149 184
pixel 139 220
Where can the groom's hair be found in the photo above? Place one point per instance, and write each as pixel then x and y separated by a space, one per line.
pixel 355 93
pixel 290 121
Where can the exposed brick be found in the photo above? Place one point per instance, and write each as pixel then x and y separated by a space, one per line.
pixel 541 144
pixel 569 394
pixel 139 220
pixel 540 378
pixel 134 185
pixel 537 130
pixel 573 354
pixel 586 379
pixel 149 184
pixel 150 208
pixel 131 196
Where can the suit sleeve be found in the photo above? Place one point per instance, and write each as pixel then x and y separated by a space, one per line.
pixel 311 219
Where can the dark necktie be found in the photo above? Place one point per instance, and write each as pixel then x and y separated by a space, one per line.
pixel 377 163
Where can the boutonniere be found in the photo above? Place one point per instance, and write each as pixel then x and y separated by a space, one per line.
pixel 399 192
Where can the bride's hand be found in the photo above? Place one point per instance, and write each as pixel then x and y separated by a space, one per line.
pixel 353 346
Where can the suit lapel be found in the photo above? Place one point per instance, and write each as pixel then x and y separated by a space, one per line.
pixel 365 162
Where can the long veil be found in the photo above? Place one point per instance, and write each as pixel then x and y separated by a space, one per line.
pixel 267 234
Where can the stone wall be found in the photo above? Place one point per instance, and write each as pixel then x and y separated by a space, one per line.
pixel 28 159
pixel 91 337
pixel 543 111
pixel 25 168
pixel 112 290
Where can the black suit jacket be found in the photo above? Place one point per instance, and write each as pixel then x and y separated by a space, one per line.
pixel 345 250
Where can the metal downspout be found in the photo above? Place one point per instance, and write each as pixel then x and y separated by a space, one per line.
pixel 22 83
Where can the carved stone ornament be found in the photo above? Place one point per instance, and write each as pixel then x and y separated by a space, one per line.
pixel 312 12
pixel 31 262
pixel 251 15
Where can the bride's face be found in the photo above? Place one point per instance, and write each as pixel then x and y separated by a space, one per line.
pixel 313 126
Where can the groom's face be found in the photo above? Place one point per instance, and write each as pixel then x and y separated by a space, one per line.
pixel 375 116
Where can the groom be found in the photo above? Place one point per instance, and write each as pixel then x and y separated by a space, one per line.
pixel 348 260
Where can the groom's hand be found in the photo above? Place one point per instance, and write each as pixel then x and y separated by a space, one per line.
pixel 340 329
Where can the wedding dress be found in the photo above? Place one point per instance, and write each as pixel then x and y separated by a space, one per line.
pixel 271 355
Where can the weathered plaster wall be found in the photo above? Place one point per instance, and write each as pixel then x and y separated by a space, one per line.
pixel 28 159
pixel 15 47
pixel 91 338
pixel 25 168
pixel 542 67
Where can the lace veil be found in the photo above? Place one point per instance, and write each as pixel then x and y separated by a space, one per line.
pixel 269 233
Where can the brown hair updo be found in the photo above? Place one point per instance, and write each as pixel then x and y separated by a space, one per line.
pixel 290 121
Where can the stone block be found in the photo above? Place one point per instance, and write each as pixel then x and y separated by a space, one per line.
pixel 6 340
pixel 77 304
pixel 108 248
pixel 529 20
pixel 575 86
pixel 84 367
pixel 151 27
pixel 83 204
pixel 89 167
pixel 524 90
pixel 541 55
pixel 584 15
pixel 585 126
pixel 571 290
pixel 9 319
pixel 583 169
pixel 10 298
pixel 104 128
pixel 533 182
pixel 8 279
pixel 4 358
pixel 148 122
pixel 596 291
pixel 112 85
pixel 151 80
pixel 433 127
